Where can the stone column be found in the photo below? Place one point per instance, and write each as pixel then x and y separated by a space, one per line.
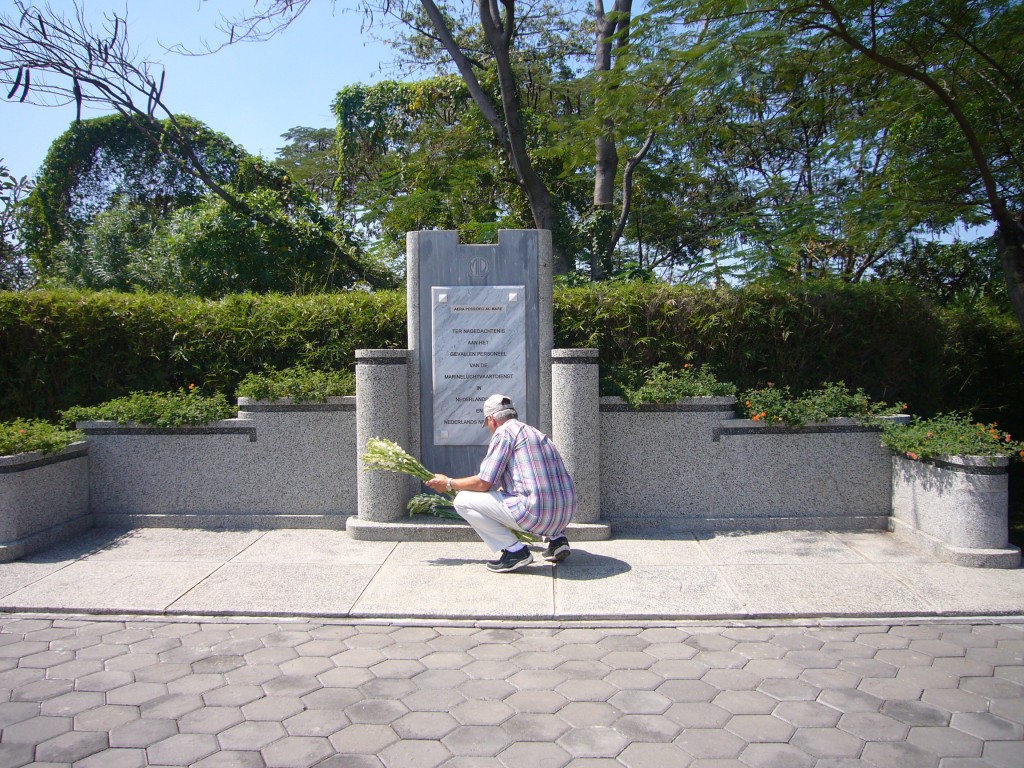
pixel 576 425
pixel 382 410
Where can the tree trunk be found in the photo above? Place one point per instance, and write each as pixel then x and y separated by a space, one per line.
pixel 610 32
pixel 1010 237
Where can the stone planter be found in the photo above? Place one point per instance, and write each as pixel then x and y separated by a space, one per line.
pixel 278 465
pixel 956 507
pixel 693 466
pixel 44 499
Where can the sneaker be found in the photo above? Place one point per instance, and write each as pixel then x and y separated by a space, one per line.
pixel 510 561
pixel 558 550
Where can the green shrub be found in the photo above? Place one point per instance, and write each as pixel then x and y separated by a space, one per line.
pixel 663 385
pixel 831 400
pixel 186 407
pixel 64 348
pixel 950 434
pixel 300 383
pixel 23 435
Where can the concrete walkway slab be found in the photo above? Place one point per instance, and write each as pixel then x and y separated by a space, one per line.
pixel 645 591
pixel 274 588
pixel 314 546
pixel 456 587
pixel 327 573
pixel 776 547
pixel 99 586
pixel 822 589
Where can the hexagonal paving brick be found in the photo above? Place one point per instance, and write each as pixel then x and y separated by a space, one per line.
pixel 476 740
pixel 134 694
pixel 375 711
pixel 476 712
pixel 899 754
pixel 745 702
pixel 916 713
pixel 363 739
pixel 115 758
pixel 771 755
pixel 36 730
pixel 536 701
pixel 273 708
pixel 387 688
pixel 105 718
pixel 647 728
pixel 871 726
pixel 947 742
pixel 415 754
pixel 306 666
pixel 210 720
pixel 698 714
pixel 534 753
pixel 331 698
pixel 584 690
pixel 251 735
pixel 581 714
pixel 760 728
pixel 297 752
pixel 424 725
pixel 182 749
pixel 232 695
pixel 140 734
pixel 490 690
pixel 593 741
pixel 72 746
pixel 827 742
pixel 807 714
pixel 535 727
pixel 710 743
pixel 71 703
pixel 292 685
pixel 987 726
pixel 433 700
pixel 688 690
pixel 316 722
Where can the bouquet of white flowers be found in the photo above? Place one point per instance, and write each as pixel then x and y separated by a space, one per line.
pixel 389 456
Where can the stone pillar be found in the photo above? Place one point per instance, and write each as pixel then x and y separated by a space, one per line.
pixel 576 425
pixel 382 410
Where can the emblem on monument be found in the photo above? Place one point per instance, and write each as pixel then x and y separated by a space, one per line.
pixel 479 267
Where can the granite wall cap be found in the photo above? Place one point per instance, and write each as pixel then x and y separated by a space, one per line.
pixel 17 461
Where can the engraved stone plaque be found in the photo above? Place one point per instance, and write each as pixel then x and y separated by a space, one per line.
pixel 479 348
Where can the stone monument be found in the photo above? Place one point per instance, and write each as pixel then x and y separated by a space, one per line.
pixel 479 323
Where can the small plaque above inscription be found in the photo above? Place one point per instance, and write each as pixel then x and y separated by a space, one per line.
pixel 479 348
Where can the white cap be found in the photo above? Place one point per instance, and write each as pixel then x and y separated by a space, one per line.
pixel 497 403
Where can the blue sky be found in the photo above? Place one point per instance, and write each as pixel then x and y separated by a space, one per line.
pixel 252 92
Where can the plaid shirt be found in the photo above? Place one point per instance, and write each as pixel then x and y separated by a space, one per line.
pixel 525 467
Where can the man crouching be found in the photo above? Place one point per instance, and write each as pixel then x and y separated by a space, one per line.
pixel 522 485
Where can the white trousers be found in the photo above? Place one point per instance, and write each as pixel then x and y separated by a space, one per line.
pixel 489 516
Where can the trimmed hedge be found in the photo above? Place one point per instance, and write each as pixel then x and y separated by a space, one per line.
pixel 59 349
pixel 64 348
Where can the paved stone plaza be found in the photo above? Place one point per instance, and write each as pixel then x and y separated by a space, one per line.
pixel 296 648
pixel 133 692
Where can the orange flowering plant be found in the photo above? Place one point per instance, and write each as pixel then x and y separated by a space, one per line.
pixel 950 434
pixel 24 435
pixel 777 405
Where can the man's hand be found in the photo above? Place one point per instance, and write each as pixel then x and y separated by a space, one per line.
pixel 437 483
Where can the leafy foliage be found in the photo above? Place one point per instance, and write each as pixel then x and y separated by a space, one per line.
pixel 662 385
pixel 64 348
pixel 950 434
pixel 829 401
pixel 186 407
pixel 14 270
pixel 24 435
pixel 300 383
